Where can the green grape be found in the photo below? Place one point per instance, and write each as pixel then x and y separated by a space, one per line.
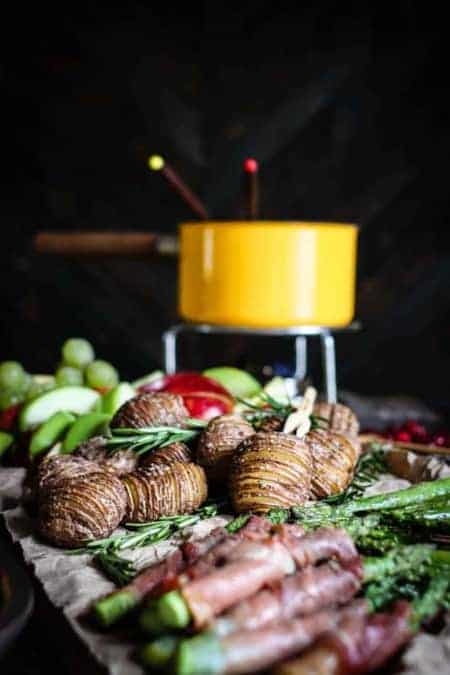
pixel 101 374
pixel 12 376
pixel 66 375
pixel 77 352
pixel 39 385
pixel 9 398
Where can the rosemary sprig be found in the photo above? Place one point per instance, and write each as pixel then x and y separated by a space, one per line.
pixel 118 569
pixel 144 439
pixel 266 407
pixel 144 534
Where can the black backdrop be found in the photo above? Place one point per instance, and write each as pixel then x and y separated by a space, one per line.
pixel 344 105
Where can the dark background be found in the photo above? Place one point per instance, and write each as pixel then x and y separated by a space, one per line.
pixel 344 106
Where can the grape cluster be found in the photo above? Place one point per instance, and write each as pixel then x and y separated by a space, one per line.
pixel 78 367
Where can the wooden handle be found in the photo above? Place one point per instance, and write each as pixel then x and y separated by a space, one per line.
pixel 421 448
pixel 85 244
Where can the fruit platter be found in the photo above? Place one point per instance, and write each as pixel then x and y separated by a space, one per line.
pixel 208 523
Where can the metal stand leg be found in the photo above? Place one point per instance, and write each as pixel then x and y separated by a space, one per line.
pixel 170 350
pixel 300 357
pixel 329 367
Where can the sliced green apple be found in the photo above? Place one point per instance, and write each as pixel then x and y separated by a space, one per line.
pixel 276 388
pixel 116 397
pixel 78 400
pixel 50 432
pixel 148 379
pixel 6 440
pixel 238 382
pixel 84 428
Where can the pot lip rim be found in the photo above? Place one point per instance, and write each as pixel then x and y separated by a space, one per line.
pixel 296 224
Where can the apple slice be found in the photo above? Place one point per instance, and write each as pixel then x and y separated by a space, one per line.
pixel 152 382
pixel 78 400
pixel 85 427
pixel 238 382
pixel 6 440
pixel 204 398
pixel 50 432
pixel 116 397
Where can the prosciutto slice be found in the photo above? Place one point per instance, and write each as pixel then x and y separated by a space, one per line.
pixel 359 645
pixel 153 577
pixel 251 651
pixel 250 565
pixel 305 592
pixel 165 575
pixel 193 550
pixel 380 638
pixel 322 544
pixel 255 529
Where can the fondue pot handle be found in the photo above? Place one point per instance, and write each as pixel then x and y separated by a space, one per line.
pixel 103 244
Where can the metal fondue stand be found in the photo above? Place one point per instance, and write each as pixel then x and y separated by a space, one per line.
pixel 299 333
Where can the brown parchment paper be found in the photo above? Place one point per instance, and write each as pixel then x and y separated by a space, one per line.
pixel 72 583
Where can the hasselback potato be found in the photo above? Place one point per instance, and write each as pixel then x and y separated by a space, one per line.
pixel 175 452
pixel 270 470
pixel 271 424
pixel 334 458
pixel 218 442
pixel 60 469
pixel 151 410
pixel 164 490
pixel 80 510
pixel 340 417
pixel 96 450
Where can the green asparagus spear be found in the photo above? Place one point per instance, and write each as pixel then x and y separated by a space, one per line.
pixel 398 562
pixel 201 655
pixel 417 495
pixel 158 653
pixel 169 611
pixel 401 572
pixel 429 603
pixel 110 609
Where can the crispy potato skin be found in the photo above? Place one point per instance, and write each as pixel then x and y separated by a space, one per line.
pixel 218 442
pixel 334 458
pixel 164 490
pixel 270 470
pixel 95 449
pixel 341 418
pixel 78 510
pixel 151 410
pixel 175 452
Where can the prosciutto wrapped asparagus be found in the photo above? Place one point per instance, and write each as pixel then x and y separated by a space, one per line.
pixel 194 557
pixel 247 569
pixel 252 651
pixel 361 644
pixel 303 593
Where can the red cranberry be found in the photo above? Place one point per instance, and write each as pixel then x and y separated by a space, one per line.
pixel 420 434
pixel 439 438
pixel 402 436
pixel 415 429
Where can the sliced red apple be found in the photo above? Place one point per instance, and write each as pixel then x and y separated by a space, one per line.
pixel 183 383
pixel 206 405
pixel 203 397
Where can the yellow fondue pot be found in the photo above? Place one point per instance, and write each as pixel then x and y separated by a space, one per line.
pixel 267 274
